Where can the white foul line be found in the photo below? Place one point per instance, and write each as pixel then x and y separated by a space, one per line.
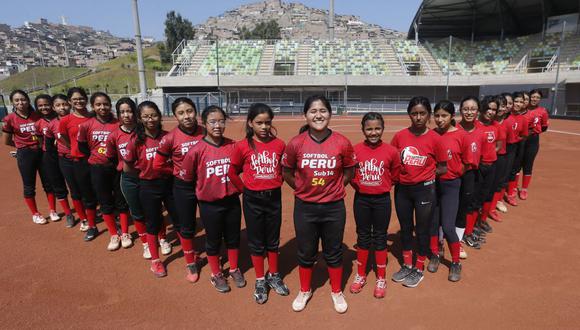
pixel 562 132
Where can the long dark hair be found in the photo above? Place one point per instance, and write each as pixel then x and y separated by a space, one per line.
pixel 140 127
pixel 448 107
pixel 128 101
pixel 308 103
pixel 253 111
pixel 485 102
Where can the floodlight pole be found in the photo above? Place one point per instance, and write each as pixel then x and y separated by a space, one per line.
pixel 556 84
pixel 448 68
pixel 140 63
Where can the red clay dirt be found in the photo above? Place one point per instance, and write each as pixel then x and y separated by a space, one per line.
pixel 526 276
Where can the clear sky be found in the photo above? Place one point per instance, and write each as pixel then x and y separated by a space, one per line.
pixel 115 15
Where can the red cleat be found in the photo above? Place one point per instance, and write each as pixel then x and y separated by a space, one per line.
pixel 511 200
pixel 158 268
pixel 523 194
pixel 494 215
pixel 380 288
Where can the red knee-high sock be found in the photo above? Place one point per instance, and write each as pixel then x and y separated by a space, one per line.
pixel 408 257
pixel 362 257
pixel 272 262
pixel 502 192
pixel 420 263
pixel 141 230
pixel 80 209
pixel 381 260
pixel 335 275
pixel 214 264
pixel 187 247
pixel 434 243
pixel 496 197
pixel 454 248
pixel 470 220
pixel 233 258
pixel 526 181
pixel 91 217
pixel 110 222
pixel 124 219
pixel 31 203
pixel 65 206
pixel 51 201
pixel 305 274
pixel 485 211
pixel 153 248
pixel 258 262
pixel 163 232
pixel 512 185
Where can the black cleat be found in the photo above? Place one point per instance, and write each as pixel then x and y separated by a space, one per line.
pixel 471 241
pixel 238 278
pixel 261 292
pixel 91 234
pixel 220 283
pixel 402 273
pixel 485 226
pixel 275 282
pixel 70 221
pixel 434 264
pixel 454 272
pixel 414 278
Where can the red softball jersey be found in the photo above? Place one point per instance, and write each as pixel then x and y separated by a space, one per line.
pixel 23 129
pixel 490 132
pixel 502 131
pixel 319 166
pixel 95 133
pixel 53 132
pixel 510 125
pixel 419 155
pixel 69 128
pixel 377 169
pixel 475 140
pixel 142 156
pixel 207 165
pixel 117 143
pixel 42 127
pixel 176 144
pixel 539 119
pixel 261 165
pixel 521 127
pixel 458 149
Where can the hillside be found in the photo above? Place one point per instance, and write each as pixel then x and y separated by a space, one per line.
pixel 117 76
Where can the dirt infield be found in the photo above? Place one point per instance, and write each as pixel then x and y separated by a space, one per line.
pixel 526 276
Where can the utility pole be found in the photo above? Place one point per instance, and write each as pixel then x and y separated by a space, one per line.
pixel 331 20
pixel 556 83
pixel 140 63
pixel 448 68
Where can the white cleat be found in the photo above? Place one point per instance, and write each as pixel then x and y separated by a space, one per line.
pixel 340 305
pixel 301 300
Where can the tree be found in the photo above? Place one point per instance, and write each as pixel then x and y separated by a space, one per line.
pixel 263 30
pixel 177 29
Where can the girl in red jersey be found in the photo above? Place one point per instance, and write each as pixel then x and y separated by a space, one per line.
pixel 126 184
pixel 422 159
pixel 173 148
pixel 378 167
pixel 502 157
pixel 20 132
pixel 43 104
pixel 81 178
pixel 520 135
pixel 154 184
pixel 258 157
pixel 206 165
pixel 317 164
pixel 468 209
pixel 455 144
pixel 537 123
pixel 92 142
pixel 489 151
pixel 509 123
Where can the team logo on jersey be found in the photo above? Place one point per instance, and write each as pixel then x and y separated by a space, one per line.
pixel 536 120
pixel 100 136
pixel 410 156
pixel 218 167
pixel 264 164
pixel 449 154
pixel 318 161
pixel 27 128
pixel 149 152
pixel 123 149
pixel 371 172
pixel 185 146
pixel 515 126
pixel 473 147
pixel 490 137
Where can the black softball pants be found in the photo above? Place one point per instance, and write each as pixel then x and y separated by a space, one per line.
pixel 467 202
pixel 484 187
pixel 500 170
pixel 518 159
pixel 185 207
pixel 372 214
pixel 447 206
pixel 66 166
pixel 52 172
pixel 130 189
pixel 222 219
pixel 530 153
pixel 154 194
pixel 29 162
pixel 314 222
pixel 263 215
pixel 106 181
pixel 420 199
pixel 511 151
pixel 82 174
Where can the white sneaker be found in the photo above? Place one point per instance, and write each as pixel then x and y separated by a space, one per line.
pixel 114 243
pixel 165 246
pixel 340 305
pixel 146 252
pixel 84 225
pixel 38 219
pixel 54 216
pixel 300 301
pixel 500 206
pixel 126 241
pixel 462 253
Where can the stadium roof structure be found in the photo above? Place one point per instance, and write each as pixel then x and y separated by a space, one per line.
pixel 482 19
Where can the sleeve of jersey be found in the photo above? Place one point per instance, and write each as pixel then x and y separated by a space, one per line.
pixel 130 155
pixel 7 127
pixel 82 134
pixel 236 160
pixel 189 166
pixel 440 151
pixel 395 168
pixel 544 120
pixel 111 147
pixel 37 128
pixel 395 141
pixel 62 127
pixel 165 146
pixel 289 156
pixel 348 155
